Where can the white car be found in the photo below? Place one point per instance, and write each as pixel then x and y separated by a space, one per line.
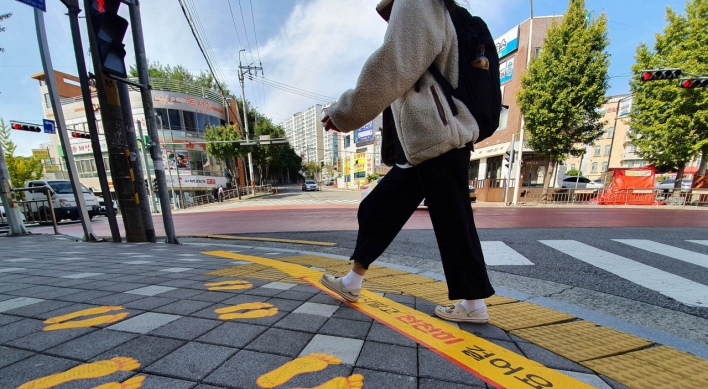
pixel 575 182
pixel 102 206
pixel 63 200
pixel 3 219
pixel 668 185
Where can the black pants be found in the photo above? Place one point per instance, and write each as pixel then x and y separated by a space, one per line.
pixel 443 182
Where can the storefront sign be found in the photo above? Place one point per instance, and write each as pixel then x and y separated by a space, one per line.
pixel 86 147
pixel 52 168
pixel 508 42
pixel 625 108
pixel 195 181
pixel 365 133
pixel 41 154
pixel 359 163
pixel 182 101
pixel 506 70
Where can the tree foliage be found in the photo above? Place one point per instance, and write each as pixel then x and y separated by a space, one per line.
pixel 180 73
pixel 669 125
pixel 565 86
pixel 2 29
pixel 22 169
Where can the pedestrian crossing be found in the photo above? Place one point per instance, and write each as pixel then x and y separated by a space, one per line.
pixel 679 288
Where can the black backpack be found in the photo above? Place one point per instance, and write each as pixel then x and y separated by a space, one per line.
pixel 479 89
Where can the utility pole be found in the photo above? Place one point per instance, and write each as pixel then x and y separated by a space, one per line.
pixel 7 195
pixel 519 181
pixel 117 142
pixel 147 166
pixel 73 7
pixel 61 125
pixel 245 109
pixel 136 25
pixel 138 179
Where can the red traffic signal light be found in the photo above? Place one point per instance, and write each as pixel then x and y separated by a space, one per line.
pixel 109 30
pixel 25 127
pixel 688 83
pixel 80 135
pixel 660 74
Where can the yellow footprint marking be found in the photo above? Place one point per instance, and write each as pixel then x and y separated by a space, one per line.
pixel 132 383
pixel 83 372
pixel 354 381
pixel 307 364
pixel 253 311
pixel 229 285
pixel 61 323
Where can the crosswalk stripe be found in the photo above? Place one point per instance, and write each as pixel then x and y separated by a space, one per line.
pixel 666 250
pixel 703 242
pixel 498 254
pixel 670 285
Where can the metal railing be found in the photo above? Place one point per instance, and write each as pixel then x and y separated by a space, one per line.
pixel 614 196
pixel 228 195
pixel 161 84
pixel 35 211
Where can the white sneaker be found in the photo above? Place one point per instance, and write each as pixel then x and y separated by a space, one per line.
pixel 458 313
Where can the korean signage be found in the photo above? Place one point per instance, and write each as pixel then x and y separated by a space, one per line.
pixel 625 108
pixel 508 42
pixel 86 148
pixel 195 181
pixel 364 134
pixel 347 167
pixel 182 101
pixel 506 70
pixel 177 159
pixel 41 154
pixel 359 163
pixel 52 168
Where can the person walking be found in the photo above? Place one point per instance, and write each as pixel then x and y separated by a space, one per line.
pixel 427 145
pixel 221 194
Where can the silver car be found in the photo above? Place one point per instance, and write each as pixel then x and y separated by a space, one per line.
pixel 310 185
pixel 574 182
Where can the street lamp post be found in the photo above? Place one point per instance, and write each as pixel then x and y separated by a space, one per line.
pixel 518 182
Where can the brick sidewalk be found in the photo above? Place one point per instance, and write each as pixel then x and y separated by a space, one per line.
pixel 141 313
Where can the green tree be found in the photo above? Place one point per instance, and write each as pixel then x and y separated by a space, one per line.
pixel 220 146
pixel 565 86
pixel 2 29
pixel 574 173
pixel 267 156
pixel 669 125
pixel 22 169
pixel 180 73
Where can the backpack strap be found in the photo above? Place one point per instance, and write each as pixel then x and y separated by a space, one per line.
pixel 446 87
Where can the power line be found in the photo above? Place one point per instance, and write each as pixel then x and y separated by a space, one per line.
pixel 255 36
pixel 245 31
pixel 234 21
pixel 302 93
pixel 280 84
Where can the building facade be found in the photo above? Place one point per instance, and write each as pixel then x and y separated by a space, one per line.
pixel 183 111
pixel 306 135
pixel 360 154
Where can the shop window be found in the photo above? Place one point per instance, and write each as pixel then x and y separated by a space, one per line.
pixel 347 141
pixel 175 119
pixel 201 123
pixel 190 122
pixel 163 122
pixel 607 150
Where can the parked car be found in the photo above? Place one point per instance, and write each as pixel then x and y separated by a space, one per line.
pixel 668 185
pixel 3 219
pixel 575 182
pixel 102 206
pixel 63 200
pixel 366 189
pixel 310 185
pixel 329 182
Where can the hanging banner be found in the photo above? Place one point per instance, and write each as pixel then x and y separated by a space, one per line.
pixel 41 154
pixel 506 70
pixel 359 163
pixel 508 42
pixel 625 108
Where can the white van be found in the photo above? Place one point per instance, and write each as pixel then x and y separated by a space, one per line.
pixel 63 200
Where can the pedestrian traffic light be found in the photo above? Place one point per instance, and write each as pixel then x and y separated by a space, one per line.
pixel 109 30
pixel 25 127
pixel 660 74
pixel 509 157
pixel 80 135
pixel 700 82
pixel 154 185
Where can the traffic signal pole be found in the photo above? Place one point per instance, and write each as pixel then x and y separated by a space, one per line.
pixel 116 139
pixel 155 153
pixel 73 7
pixel 147 166
pixel 61 124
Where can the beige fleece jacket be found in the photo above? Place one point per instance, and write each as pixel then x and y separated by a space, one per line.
pixel 420 33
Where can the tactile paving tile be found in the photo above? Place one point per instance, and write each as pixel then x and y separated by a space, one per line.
pixel 341 269
pixel 638 374
pixel 268 274
pixel 314 260
pixel 380 271
pixel 237 271
pixel 675 361
pixel 580 341
pixel 440 300
pixel 524 315
pixel 498 300
pixel 408 279
pixel 293 280
pixel 375 287
pixel 423 290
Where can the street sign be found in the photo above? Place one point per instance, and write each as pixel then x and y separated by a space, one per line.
pixel 49 126
pixel 41 154
pixel 39 4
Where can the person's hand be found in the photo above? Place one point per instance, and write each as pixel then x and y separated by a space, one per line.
pixel 327 122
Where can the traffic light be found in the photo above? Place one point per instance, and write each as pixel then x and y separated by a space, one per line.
pixel 509 157
pixel 109 30
pixel 25 127
pixel 80 135
pixel 146 142
pixel 660 74
pixel 154 185
pixel 700 82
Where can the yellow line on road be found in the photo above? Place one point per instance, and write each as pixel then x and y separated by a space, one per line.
pixel 492 363
pixel 251 238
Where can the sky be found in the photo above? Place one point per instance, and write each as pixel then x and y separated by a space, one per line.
pixel 314 45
